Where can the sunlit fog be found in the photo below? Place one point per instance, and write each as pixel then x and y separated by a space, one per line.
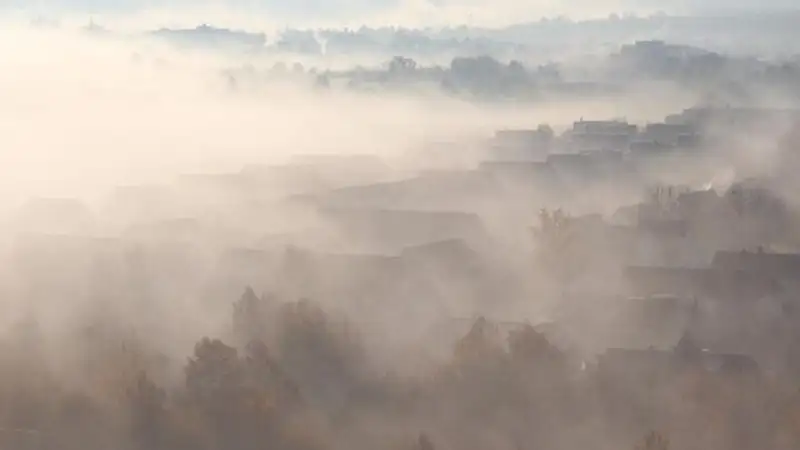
pixel 421 225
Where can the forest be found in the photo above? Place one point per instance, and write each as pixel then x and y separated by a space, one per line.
pixel 292 376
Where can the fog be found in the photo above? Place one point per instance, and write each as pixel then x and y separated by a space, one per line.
pixel 410 13
pixel 361 257
pixel 129 112
pixel 313 13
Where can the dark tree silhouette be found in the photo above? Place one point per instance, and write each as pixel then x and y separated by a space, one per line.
pixel 251 317
pixel 400 65
pixel 530 346
pixel 147 405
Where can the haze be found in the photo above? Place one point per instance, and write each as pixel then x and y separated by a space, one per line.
pixel 235 226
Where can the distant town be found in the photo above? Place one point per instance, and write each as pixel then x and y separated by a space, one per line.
pixel 606 283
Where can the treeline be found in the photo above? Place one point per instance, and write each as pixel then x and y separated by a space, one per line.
pixel 713 75
pixel 292 376
pixel 481 77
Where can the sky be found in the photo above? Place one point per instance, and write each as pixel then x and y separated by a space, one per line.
pixel 355 12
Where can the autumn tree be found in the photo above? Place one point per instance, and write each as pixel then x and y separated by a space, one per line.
pixel 265 374
pixel 214 389
pixel 251 317
pixel 402 65
pixel 146 403
pixel 528 346
pixel 480 345
pixel 478 379
pixel 558 252
pixel 654 441
pixel 323 354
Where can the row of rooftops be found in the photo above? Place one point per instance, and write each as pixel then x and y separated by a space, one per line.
pixel 747 275
pixel 682 130
pixel 699 116
pixel 585 160
pixel 584 128
pixel 591 137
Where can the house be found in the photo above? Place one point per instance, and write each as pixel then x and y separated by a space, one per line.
pixel 710 282
pixel 464 277
pixel 669 134
pixel 205 35
pixel 739 119
pixel 519 171
pixel 697 203
pixel 643 148
pixel 48 268
pixel 54 216
pixel 439 190
pixel 241 266
pixel 601 135
pixel 730 364
pixel 603 127
pixel 773 265
pixel 337 161
pixel 646 369
pixel 755 197
pixel 389 230
pixel 570 163
pixel 336 277
pixel 403 295
pixel 521 145
pixel 142 202
pixel 643 372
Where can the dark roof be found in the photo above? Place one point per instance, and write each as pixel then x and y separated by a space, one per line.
pixel 676 127
pixel 526 168
pixel 657 359
pixel 448 248
pixel 339 276
pixel 50 208
pixel 729 363
pixel 603 126
pixel 405 227
pixel 571 160
pixel 774 264
pixel 695 282
pixel 437 187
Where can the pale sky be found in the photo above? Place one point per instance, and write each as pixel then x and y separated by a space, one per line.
pixel 352 12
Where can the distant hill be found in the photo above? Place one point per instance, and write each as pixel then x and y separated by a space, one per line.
pixel 208 36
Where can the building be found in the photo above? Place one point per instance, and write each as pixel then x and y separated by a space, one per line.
pixel 602 135
pixel 667 133
pixel 390 230
pixel 521 144
pixel 702 283
pixel 772 265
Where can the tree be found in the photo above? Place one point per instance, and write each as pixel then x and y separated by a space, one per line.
pixel 556 246
pixel 516 68
pixel 266 374
pixel 322 354
pixel 251 316
pixel 231 398
pixel 479 345
pixel 146 403
pixel 424 443
pixel 546 132
pixel 654 441
pixel 279 68
pixel 402 65
pixel 213 375
pixel 322 81
pixel 549 73
pixel 530 346
pixel 481 75
pixel 480 68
